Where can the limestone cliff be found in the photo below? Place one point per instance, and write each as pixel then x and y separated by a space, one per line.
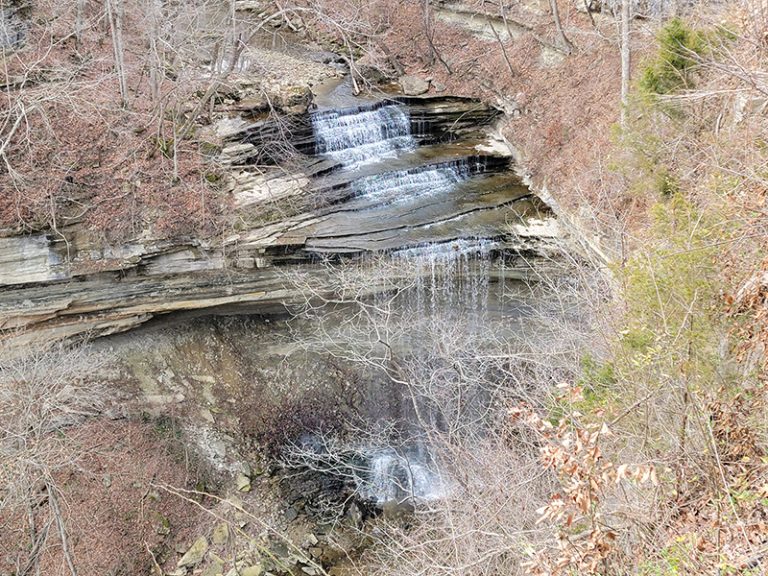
pixel 64 283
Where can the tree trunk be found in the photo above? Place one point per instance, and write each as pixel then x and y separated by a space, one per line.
pixel 565 44
pixel 156 60
pixel 79 21
pixel 429 35
pixel 115 15
pixel 63 537
pixel 503 49
pixel 625 59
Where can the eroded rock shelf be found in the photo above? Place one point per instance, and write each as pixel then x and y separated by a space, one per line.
pixel 385 175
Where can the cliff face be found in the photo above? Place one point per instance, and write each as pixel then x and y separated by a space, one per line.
pixel 65 283
pixel 289 204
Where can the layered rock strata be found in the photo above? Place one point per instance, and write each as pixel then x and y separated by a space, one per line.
pixel 446 182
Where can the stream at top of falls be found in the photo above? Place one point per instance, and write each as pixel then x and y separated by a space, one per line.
pixel 432 233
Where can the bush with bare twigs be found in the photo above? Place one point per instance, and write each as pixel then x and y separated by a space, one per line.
pixel 41 393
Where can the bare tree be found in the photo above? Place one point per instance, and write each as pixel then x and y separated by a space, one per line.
pixel 425 325
pixel 41 393
pixel 115 15
pixel 565 44
pixel 626 9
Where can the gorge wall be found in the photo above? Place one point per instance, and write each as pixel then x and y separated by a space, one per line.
pixel 384 175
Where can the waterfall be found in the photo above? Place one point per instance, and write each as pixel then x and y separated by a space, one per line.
pixel 364 134
pixel 447 253
pixel 449 282
pixel 450 277
pixel 416 182
pixel 399 476
pixel 420 227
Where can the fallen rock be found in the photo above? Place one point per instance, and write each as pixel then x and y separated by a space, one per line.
pixel 249 5
pixel 413 85
pixel 163 526
pixel 373 74
pixel 294 99
pixel 218 447
pixel 215 566
pixel 256 570
pixel 310 541
pixel 195 554
pixel 207 415
pixel 220 534
pixel 243 483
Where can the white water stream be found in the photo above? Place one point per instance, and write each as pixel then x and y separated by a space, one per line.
pixel 453 274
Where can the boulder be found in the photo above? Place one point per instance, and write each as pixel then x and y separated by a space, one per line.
pixel 195 554
pixel 413 85
pixel 220 534
pixel 215 566
pixel 294 99
pixel 249 5
pixel 373 74
pixel 243 483
pixel 745 106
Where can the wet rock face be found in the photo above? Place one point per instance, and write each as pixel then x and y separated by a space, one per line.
pixel 368 179
pixel 431 120
pixel 13 28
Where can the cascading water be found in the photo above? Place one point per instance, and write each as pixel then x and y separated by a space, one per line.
pixel 414 182
pixel 446 276
pixel 360 135
pixel 450 275
pixel 402 476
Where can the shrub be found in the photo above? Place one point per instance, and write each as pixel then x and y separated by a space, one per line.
pixel 679 49
pixel 671 291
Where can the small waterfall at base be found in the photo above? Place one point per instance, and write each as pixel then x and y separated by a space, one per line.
pixel 364 134
pixel 409 475
pixel 450 283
